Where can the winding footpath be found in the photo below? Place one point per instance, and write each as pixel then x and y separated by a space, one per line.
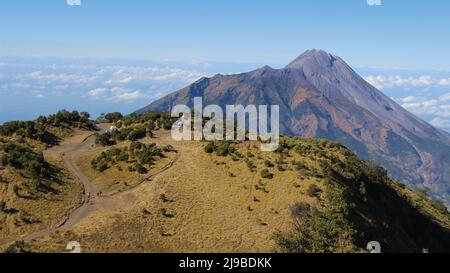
pixel 91 199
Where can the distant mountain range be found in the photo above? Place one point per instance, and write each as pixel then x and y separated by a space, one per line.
pixel 321 96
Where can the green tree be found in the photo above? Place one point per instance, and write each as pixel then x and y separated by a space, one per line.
pixel 113 117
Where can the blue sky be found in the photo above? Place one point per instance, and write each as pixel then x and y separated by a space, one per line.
pixel 119 55
pixel 399 33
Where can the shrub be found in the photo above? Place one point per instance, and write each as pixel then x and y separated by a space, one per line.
pixel 314 191
pixel 209 148
pixel 102 166
pixel 268 164
pixel 299 166
pixel 17 247
pixel 137 133
pixel 224 149
pixel 123 156
pixel 440 206
pixel 139 168
pixel 168 148
pixel 250 165
pixel 266 174
pixel 2 206
pixel 16 190
pixel 104 140
pixel 261 222
pixel 145 211
pixel 163 198
pixel 375 173
pixel 167 124
pixel 164 212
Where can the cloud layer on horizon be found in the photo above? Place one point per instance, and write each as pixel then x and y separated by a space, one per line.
pixel 28 86
pixel 31 87
pixel 426 96
pixel 123 83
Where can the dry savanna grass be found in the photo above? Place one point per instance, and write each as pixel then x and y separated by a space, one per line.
pixel 205 203
pixel 117 178
pixel 34 211
pixel 28 215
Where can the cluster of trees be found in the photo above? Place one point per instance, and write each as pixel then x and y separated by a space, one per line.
pixel 108 158
pixel 137 155
pixel 320 231
pixel 26 160
pixel 133 127
pixel 39 129
pixel 30 164
pixel 159 120
pixel 66 118
pixel 132 133
pixel 113 117
pixel 27 129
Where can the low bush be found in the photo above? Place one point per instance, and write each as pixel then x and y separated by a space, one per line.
pixel 144 154
pixel 266 174
pixel 314 191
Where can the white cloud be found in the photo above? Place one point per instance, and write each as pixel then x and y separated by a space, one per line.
pixel 56 78
pixel 73 2
pixel 445 97
pixel 98 92
pixel 128 96
pixel 444 82
pixel 123 94
pixel 431 107
pixel 383 82
pixel 19 85
pixel 127 80
pixel 409 99
pixel 145 75
pixel 117 94
pixel 441 122
pixel 374 2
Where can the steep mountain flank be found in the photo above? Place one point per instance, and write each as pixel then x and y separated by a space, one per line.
pixel 320 96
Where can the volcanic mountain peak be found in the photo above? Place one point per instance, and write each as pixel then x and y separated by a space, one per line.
pixel 321 96
pixel 314 57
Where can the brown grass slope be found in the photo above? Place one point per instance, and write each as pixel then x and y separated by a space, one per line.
pixel 29 203
pixel 309 196
pixel 36 192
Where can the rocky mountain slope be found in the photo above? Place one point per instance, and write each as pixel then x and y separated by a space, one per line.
pixel 321 96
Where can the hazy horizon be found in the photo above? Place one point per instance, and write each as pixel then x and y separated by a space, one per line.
pixel 93 57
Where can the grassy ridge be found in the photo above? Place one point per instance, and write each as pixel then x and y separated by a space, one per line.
pixel 311 196
pixel 359 203
pixel 363 204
